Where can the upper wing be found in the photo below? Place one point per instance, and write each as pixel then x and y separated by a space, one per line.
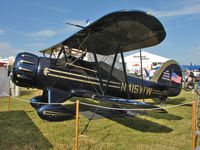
pixel 127 30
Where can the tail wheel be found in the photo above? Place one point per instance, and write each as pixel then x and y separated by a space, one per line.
pixel 163 100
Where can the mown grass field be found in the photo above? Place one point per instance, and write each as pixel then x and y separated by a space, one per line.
pixel 21 128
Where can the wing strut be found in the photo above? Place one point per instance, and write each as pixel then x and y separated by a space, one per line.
pixel 62 49
pixel 96 64
pixel 110 73
pixel 125 74
pixel 98 74
pixel 141 72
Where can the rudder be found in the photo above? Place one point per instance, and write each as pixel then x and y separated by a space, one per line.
pixel 169 74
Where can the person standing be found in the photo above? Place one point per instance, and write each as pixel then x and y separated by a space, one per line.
pixel 146 74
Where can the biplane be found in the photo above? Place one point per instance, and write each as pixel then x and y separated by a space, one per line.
pixel 68 72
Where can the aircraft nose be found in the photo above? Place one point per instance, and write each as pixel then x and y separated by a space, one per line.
pixel 25 69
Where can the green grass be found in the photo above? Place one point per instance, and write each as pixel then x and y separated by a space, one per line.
pixel 21 128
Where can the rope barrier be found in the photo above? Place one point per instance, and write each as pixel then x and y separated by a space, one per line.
pixel 104 107
pixel 35 102
pixel 77 122
pixel 136 109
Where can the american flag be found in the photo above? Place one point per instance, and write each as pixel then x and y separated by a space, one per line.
pixel 176 78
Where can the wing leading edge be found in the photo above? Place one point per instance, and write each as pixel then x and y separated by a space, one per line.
pixel 127 30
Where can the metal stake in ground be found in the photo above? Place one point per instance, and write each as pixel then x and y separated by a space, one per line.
pixel 9 97
pixel 194 122
pixel 77 120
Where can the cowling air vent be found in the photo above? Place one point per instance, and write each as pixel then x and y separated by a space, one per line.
pixel 25 69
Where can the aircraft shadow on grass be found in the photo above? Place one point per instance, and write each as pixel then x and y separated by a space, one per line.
pixel 172 101
pixel 164 116
pixel 130 121
pixel 143 125
pixel 18 131
pixel 176 101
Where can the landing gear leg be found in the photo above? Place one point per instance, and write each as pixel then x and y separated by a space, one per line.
pixel 163 100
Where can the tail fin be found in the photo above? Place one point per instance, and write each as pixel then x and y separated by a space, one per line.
pixel 169 74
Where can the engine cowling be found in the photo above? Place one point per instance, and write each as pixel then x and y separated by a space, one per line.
pixel 25 69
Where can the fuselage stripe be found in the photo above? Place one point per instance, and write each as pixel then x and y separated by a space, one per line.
pixel 70 78
pixel 80 80
pixel 68 73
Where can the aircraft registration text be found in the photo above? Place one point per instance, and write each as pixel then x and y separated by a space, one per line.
pixel 136 89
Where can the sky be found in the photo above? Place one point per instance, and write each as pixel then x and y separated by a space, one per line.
pixel 33 25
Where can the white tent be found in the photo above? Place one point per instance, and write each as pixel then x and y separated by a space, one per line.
pixel 4 81
pixel 149 60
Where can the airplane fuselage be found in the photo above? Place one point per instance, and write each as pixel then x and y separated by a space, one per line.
pixel 38 72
